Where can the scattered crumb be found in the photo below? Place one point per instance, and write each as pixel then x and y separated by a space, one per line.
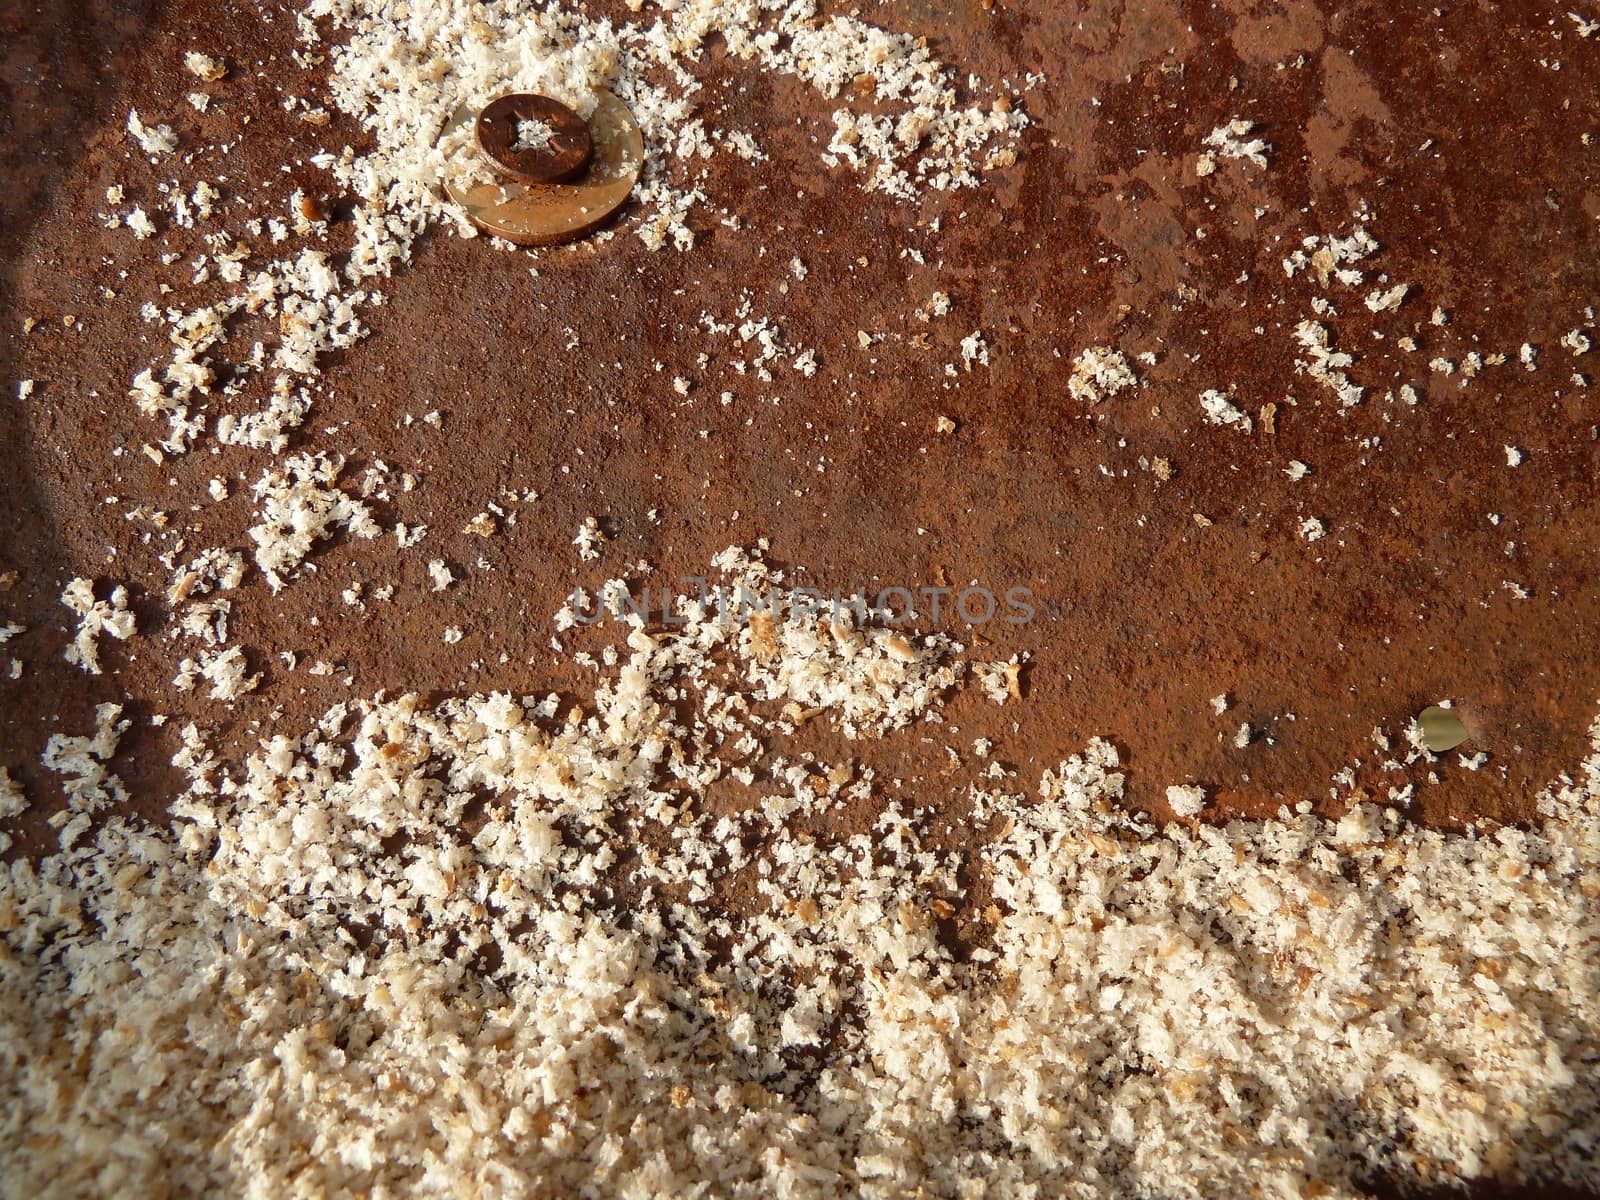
pixel 1220 410
pixel 1233 141
pixel 203 66
pixel 154 141
pixel 1099 372
pixel 974 349
pixel 95 617
pixel 225 670
pixel 1186 800
pixel 297 506
pixel 1380 301
pixel 589 538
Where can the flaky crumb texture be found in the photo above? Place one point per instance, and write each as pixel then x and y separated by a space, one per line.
pixel 506 946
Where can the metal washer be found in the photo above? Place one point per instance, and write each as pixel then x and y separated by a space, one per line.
pixel 548 214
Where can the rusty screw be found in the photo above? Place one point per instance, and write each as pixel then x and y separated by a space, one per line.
pixel 534 139
pixel 544 214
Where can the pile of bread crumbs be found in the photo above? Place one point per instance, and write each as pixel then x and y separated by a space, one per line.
pixel 508 946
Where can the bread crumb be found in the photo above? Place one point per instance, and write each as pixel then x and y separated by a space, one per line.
pixel 12 804
pixel 297 506
pixel 1325 364
pixel 1233 141
pixel 203 66
pixel 1380 301
pixel 1099 372
pixel 225 670
pixel 211 953
pixel 1186 800
pixel 974 349
pixel 589 538
pixel 139 222
pixel 154 141
pixel 1220 410
pixel 95 617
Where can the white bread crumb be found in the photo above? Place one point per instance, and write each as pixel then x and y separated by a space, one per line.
pixel 1099 372
pixel 1186 800
pixel 1233 141
pixel 95 617
pixel 203 66
pixel 153 140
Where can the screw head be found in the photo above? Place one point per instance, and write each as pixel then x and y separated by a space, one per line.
pixel 534 139
pixel 535 214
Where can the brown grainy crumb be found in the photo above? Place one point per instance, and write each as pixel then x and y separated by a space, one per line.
pixel 763 638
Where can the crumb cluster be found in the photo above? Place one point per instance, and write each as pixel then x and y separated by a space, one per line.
pixel 507 944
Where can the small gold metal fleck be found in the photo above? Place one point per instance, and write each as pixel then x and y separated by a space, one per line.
pixel 1441 729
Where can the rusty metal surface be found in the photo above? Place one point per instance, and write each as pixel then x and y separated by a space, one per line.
pixel 1144 613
